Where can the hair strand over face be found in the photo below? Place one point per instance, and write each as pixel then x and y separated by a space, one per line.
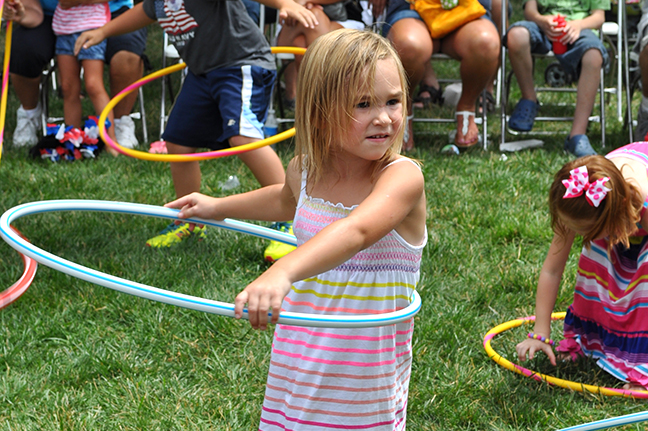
pixel 337 68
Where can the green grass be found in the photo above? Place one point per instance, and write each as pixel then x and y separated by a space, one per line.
pixel 76 356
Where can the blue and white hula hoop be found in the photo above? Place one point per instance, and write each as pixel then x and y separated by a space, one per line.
pixel 166 296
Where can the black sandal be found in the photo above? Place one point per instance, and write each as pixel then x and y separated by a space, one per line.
pixel 490 103
pixel 436 96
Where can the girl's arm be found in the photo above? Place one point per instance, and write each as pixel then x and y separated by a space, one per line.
pixel 396 201
pixel 129 21
pixel 548 285
pixel 271 203
pixel 291 9
pixel 27 13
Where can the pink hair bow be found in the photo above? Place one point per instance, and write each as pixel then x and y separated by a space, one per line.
pixel 578 183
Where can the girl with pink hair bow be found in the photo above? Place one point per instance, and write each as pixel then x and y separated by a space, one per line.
pixel 604 200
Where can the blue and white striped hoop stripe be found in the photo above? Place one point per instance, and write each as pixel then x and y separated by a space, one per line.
pixel 169 297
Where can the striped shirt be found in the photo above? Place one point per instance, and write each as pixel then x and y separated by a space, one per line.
pixel 80 18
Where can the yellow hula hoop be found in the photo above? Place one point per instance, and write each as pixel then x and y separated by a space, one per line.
pixel 143 155
pixel 5 80
pixel 567 384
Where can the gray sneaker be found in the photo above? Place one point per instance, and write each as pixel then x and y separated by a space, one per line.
pixel 579 145
pixel 642 126
pixel 26 132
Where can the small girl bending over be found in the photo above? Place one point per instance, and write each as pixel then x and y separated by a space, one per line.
pixel 359 214
pixel 604 200
pixel 68 25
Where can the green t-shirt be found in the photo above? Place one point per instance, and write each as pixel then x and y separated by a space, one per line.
pixel 571 9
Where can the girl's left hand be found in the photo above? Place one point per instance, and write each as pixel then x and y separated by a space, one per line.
pixel 264 294
pixel 572 33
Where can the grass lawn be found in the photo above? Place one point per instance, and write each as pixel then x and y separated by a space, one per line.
pixel 76 356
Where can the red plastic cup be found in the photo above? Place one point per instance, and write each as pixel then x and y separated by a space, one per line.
pixel 558 47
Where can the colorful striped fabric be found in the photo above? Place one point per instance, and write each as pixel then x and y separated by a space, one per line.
pixel 611 296
pixel 80 18
pixel 350 379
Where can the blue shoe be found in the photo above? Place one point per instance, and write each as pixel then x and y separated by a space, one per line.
pixel 523 115
pixel 579 145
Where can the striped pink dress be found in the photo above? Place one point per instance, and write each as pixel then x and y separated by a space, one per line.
pixel 607 318
pixel 349 379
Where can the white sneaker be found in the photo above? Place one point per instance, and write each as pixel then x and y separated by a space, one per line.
pixel 26 131
pixel 125 132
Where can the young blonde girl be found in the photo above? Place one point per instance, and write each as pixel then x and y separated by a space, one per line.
pixel 359 217
pixel 604 200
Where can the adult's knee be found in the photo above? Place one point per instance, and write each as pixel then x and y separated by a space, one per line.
pixel 411 44
pixel 125 64
pixel 486 45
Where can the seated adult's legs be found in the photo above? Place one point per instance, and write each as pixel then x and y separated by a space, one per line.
pixel 476 45
pixel 413 42
pixel 32 49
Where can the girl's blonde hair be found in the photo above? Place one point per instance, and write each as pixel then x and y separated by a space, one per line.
pixel 338 68
pixel 616 215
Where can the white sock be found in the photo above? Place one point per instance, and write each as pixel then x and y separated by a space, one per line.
pixel 32 113
pixel 644 104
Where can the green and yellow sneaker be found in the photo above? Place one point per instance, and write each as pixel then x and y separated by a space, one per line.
pixel 174 233
pixel 276 250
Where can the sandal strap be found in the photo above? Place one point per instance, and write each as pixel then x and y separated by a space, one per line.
pixel 436 95
pixel 464 124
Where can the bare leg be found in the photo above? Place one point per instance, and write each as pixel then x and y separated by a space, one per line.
pixel 27 90
pixel 643 65
pixel 412 41
pixel 69 70
pixel 588 85
pixel 93 78
pixel 476 45
pixel 298 35
pixel 263 162
pixel 125 68
pixel 519 47
pixel 186 175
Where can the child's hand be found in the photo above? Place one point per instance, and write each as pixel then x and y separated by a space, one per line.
pixel 531 346
pixel 550 28
pixel 195 205
pixel 88 39
pixel 572 32
pixel 264 294
pixel 298 13
pixel 13 11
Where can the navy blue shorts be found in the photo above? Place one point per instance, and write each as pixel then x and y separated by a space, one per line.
pixel 134 41
pixel 571 60
pixel 218 105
